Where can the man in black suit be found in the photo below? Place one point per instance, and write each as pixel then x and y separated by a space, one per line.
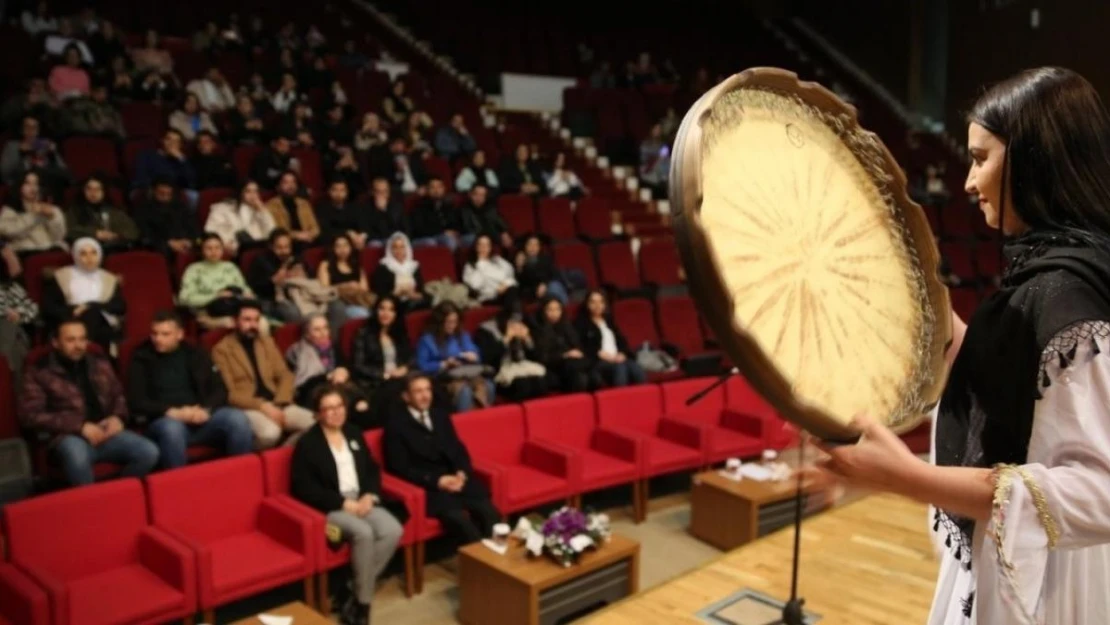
pixel 421 447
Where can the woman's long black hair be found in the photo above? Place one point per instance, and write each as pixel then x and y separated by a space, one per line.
pixel 1057 135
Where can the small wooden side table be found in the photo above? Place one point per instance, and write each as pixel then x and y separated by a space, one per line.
pixel 726 513
pixel 516 588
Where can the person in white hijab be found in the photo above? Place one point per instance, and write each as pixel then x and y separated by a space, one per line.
pixel 85 291
pixel 398 273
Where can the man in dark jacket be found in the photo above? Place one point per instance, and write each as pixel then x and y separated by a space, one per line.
pixel 480 216
pixel 176 385
pixel 422 447
pixel 435 220
pixel 74 397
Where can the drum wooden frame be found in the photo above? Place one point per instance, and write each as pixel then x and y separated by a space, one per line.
pixel 881 181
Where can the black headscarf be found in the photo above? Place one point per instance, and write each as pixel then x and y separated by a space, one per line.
pixel 1054 282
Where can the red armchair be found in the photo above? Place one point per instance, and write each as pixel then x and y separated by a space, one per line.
pixel 276 465
pixel 21 601
pixel 742 400
pixel 730 433
pixel 521 474
pixel 111 567
pixel 608 458
pixel 668 444
pixel 245 541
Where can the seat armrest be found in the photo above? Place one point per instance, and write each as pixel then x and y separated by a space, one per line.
pixel 169 559
pixel 21 600
pixel 55 589
pixel 290 528
pixel 743 422
pixel 618 444
pixel 552 459
pixel 685 433
pixel 492 475
pixel 411 494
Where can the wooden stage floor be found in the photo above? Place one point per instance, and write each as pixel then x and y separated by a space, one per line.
pixel 866 563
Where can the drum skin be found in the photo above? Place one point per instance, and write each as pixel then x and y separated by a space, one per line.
pixel 806 256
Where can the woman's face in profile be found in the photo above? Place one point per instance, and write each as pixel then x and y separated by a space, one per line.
pixel 985 178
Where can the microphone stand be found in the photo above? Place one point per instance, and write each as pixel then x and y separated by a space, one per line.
pixel 793 612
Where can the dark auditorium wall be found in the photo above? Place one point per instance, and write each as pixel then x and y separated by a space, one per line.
pixel 992 39
pixel 875 34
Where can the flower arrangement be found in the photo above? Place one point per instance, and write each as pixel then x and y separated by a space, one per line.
pixel 565 534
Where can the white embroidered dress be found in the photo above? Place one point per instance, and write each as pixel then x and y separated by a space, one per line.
pixel 1015 575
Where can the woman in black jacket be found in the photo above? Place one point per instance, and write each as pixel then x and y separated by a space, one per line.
pixel 604 345
pixel 332 471
pixel 559 348
pixel 536 272
pixel 382 358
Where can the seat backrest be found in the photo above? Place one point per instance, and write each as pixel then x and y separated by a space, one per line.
pixel 577 256
pixel 145 285
pixel 740 396
pixel 286 335
pixel 276 471
pixel 518 212
pixel 77 532
pixel 556 218
pixel 636 320
pixel 495 434
pixel 707 409
pixel 373 440
pixel 347 334
pixel 659 262
pixel 678 320
pixel 594 218
pixel 436 263
pixel 566 419
pixel 618 266
pixel 33 267
pixel 208 501
pixel 632 407
pixel 475 317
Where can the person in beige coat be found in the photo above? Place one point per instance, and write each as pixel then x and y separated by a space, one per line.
pixel 292 212
pixel 258 380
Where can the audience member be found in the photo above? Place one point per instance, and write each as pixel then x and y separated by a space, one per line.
pixel 338 216
pixel 39 21
pixel 435 220
pixel 164 222
pixel 292 212
pixel 398 274
pixel 213 91
pixel 245 125
pixel 490 276
pixel 74 397
pixel 604 345
pixel 454 141
pixel 28 223
pixel 342 270
pixel 168 162
pixel 333 472
pixel 18 314
pixel 191 119
pixel 476 172
pixel 562 182
pixel 559 349
pixel 507 346
pixel 387 214
pixel 480 217
pixel 243 222
pixel 421 446
pixel 447 351
pixel 94 115
pixel 257 379
pixel 33 152
pixel 536 272
pixel 212 287
pixel 212 169
pixel 87 292
pixel 396 104
pixel 314 360
pixel 93 216
pixel 55 44
pixel 521 174
pixel 69 79
pixel 273 161
pixel 383 357
pixel 175 385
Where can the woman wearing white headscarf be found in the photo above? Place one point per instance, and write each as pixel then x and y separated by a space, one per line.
pixel 85 291
pixel 398 273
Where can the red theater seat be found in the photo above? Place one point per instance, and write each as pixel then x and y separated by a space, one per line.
pixel 608 458
pixel 731 434
pixel 741 400
pixel 112 566
pixel 521 474
pixel 669 444
pixel 276 464
pixel 245 541
pixel 22 602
